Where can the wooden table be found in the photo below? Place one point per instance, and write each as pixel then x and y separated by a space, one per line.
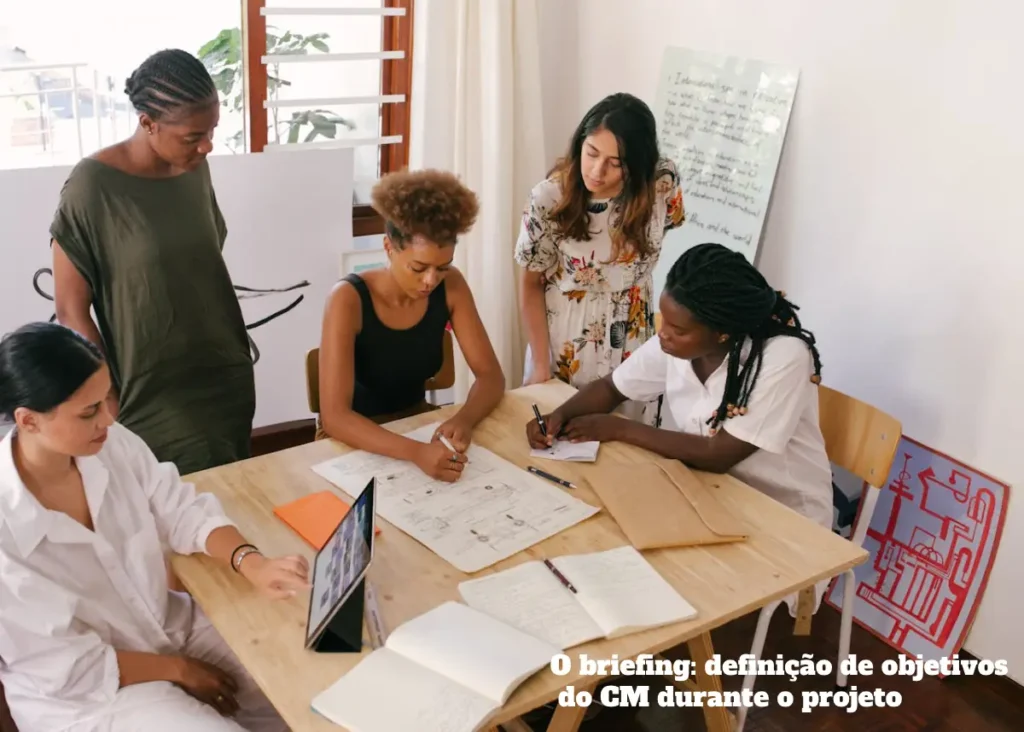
pixel 784 553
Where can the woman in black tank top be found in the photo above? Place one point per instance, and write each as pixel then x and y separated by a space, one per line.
pixel 383 331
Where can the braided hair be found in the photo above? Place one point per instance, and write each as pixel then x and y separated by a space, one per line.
pixel 167 81
pixel 726 293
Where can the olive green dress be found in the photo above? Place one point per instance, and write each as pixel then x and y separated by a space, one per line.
pixel 172 327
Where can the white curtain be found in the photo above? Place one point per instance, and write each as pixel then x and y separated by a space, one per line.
pixel 487 52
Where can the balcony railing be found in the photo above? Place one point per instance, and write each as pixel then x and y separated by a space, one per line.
pixel 55 114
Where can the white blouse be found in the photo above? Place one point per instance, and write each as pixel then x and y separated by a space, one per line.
pixel 790 464
pixel 70 598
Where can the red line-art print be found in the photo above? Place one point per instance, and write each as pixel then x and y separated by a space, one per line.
pixel 932 538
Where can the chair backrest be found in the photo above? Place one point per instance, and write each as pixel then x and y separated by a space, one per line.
pixel 443 379
pixel 313 380
pixel 858 437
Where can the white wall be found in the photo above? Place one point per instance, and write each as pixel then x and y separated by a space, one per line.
pixel 903 156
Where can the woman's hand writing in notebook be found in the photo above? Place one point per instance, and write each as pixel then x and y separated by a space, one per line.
pixel 437 461
pixel 552 423
pixel 278 579
pixel 458 433
pixel 594 427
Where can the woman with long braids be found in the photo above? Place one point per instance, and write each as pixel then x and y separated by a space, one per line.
pixel 739 376
pixel 137 238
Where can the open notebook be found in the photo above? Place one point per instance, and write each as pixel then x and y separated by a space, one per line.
pixel 617 592
pixel 447 670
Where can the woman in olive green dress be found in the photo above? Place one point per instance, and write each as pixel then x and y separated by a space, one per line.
pixel 138 239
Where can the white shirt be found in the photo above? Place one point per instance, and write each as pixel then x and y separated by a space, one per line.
pixel 70 598
pixel 790 464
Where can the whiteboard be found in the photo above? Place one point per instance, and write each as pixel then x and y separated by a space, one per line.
pixel 723 121
pixel 289 219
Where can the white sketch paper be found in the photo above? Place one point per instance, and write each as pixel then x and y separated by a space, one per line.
pixel 493 511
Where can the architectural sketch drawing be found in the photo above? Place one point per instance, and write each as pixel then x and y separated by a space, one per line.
pixel 493 511
pixel 932 538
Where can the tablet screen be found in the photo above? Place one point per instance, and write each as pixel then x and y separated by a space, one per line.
pixel 342 562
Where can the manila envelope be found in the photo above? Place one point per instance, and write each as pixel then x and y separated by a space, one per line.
pixel 662 504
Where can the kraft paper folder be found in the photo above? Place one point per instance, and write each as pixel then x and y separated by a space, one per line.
pixel 314 517
pixel 662 504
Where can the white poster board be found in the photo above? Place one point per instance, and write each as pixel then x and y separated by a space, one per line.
pixel 723 121
pixel 289 219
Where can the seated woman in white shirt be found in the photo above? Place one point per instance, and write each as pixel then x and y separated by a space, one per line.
pixel 739 377
pixel 90 637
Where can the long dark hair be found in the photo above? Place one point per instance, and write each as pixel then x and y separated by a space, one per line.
pixel 635 130
pixel 728 294
pixel 42 365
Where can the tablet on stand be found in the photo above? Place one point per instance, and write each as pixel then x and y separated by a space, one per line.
pixel 336 603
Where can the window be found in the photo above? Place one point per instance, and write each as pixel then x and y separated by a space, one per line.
pixel 62 81
pixel 333 76
pixel 290 73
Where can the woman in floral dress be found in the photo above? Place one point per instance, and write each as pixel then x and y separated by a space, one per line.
pixel 590 239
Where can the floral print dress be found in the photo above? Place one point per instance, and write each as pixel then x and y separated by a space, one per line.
pixel 598 311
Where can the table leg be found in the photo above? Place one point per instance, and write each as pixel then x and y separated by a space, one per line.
pixel 804 611
pixel 717 719
pixel 566 719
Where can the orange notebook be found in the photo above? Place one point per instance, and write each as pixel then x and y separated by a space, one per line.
pixel 314 517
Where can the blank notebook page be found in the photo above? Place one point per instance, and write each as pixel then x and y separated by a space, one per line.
pixel 388 693
pixel 477 651
pixel 531 598
pixel 621 590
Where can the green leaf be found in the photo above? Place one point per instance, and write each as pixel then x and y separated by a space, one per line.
pixel 320 46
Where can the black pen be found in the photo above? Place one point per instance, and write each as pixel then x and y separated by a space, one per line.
pixel 560 576
pixel 549 476
pixel 540 421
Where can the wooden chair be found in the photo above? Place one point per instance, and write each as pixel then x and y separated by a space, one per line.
pixel 862 440
pixel 443 379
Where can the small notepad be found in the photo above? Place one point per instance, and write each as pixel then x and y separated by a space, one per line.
pixel 314 517
pixel 573 452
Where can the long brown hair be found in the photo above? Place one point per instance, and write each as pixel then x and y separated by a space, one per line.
pixel 633 125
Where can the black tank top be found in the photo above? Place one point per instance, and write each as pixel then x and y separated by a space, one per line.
pixel 392 366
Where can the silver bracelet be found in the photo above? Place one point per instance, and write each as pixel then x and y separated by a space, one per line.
pixel 243 554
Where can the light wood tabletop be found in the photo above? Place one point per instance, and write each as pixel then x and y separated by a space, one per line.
pixel 785 552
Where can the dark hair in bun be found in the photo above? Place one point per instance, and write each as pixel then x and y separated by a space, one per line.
pixel 42 365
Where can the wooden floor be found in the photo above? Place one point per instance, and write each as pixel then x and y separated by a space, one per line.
pixel 956 704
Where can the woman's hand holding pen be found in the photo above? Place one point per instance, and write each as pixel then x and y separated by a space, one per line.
pixel 541 438
pixel 440 461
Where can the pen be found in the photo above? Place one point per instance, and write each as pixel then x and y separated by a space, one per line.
pixel 376 625
pixel 561 577
pixel 549 476
pixel 444 441
pixel 540 421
